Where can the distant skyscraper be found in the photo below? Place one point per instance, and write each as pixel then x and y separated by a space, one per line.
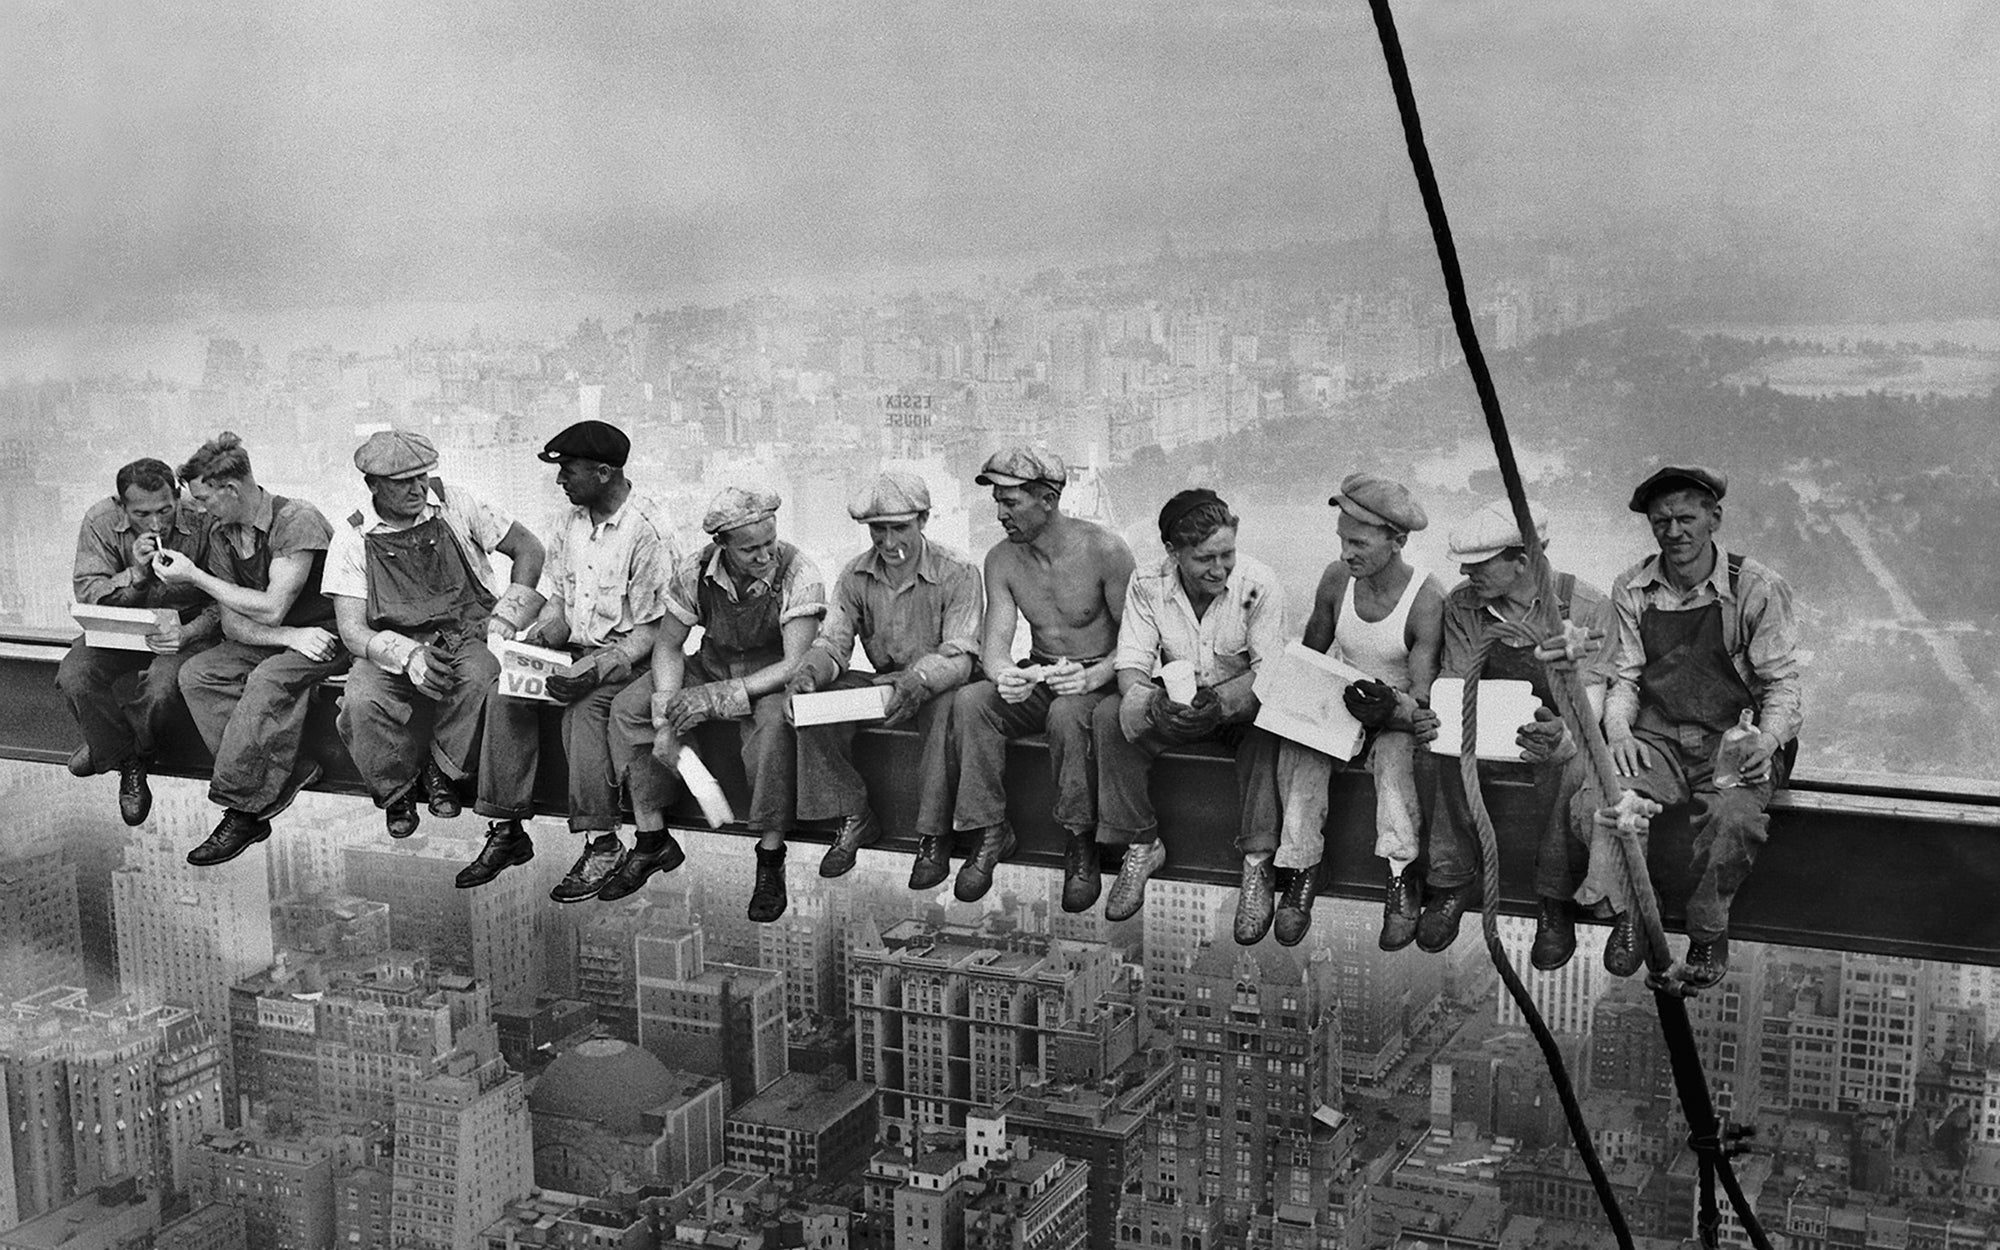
pixel 282 1182
pixel 1881 1030
pixel 1179 921
pixel 1566 997
pixel 1384 996
pixel 801 945
pixel 722 1019
pixel 41 936
pixel 463 1151
pixel 492 934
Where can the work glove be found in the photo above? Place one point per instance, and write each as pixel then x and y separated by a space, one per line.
pixel 908 693
pixel 1371 702
pixel 1546 739
pixel 429 671
pixel 715 700
pixel 600 667
pixel 1195 720
pixel 514 611
pixel 816 669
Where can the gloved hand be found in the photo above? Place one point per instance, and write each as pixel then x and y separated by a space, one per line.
pixel 715 700
pixel 1195 720
pixel 514 611
pixel 1371 702
pixel 428 670
pixel 816 669
pixel 1546 739
pixel 908 694
pixel 601 667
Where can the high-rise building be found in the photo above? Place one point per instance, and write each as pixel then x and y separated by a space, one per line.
pixel 1566 997
pixel 214 1226
pixel 722 1019
pixel 1727 1021
pixel 463 1151
pixel 1628 1053
pixel 807 1127
pixel 1799 1046
pixel 364 1203
pixel 283 1183
pixel 1881 1031
pixel 1179 921
pixel 801 944
pixel 1384 997
pixel 1084 1124
pixel 492 934
pixel 41 933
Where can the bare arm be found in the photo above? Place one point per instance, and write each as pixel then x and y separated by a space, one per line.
pixel 669 660
pixel 1425 636
pixel 351 615
pixel 264 607
pixel 797 635
pixel 1118 565
pixel 996 648
pixel 1326 608
pixel 521 546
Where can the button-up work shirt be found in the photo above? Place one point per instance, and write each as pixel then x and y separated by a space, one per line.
pixel 926 624
pixel 1466 621
pixel 1244 627
pixel 610 576
pixel 1759 630
pixel 477 525
pixel 103 569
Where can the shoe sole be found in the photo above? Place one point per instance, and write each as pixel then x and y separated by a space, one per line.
pixel 241 847
pixel 605 892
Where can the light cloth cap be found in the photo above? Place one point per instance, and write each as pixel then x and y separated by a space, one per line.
pixel 736 506
pixel 1491 530
pixel 1012 466
pixel 396 454
pixel 895 495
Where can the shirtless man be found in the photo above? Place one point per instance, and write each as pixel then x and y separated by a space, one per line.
pixel 1067 578
pixel 1377 612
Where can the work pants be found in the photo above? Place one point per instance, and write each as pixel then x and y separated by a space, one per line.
pixel 250 703
pixel 120 730
pixel 384 719
pixel 1303 777
pixel 1560 856
pixel 510 753
pixel 982 724
pixel 1125 813
pixel 766 743
pixel 831 789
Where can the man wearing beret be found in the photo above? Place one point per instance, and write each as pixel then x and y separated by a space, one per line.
pixel 603 585
pixel 1067 578
pixel 114 567
pixel 914 604
pixel 1380 614
pixel 249 695
pixel 1704 636
pixel 1223 617
pixel 759 601
pixel 412 591
pixel 1501 589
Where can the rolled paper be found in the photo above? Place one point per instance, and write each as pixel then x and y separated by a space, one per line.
pixel 707 792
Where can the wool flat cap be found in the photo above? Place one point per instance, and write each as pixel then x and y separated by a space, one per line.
pixel 896 495
pixel 1011 466
pixel 1677 477
pixel 396 453
pixel 1491 530
pixel 736 506
pixel 1377 500
pixel 589 440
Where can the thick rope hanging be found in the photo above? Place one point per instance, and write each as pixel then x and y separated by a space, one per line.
pixel 1705 1136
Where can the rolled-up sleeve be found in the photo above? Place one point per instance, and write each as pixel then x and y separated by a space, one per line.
pixel 1139 629
pixel 1771 646
pixel 804 590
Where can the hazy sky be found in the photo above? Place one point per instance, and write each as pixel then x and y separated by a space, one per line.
pixel 151 152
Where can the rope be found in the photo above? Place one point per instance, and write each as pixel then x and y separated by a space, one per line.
pixel 1567 685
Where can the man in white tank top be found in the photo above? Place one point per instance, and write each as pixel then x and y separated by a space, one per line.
pixel 1377 612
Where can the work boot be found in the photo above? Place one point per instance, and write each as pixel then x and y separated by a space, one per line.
pixel 1254 900
pixel 633 870
pixel 1555 936
pixel 441 793
pixel 932 864
pixel 856 831
pixel 303 774
pixel 1402 906
pixel 586 876
pixel 507 844
pixel 1083 880
pixel 1128 891
pixel 236 833
pixel 135 797
pixel 1621 949
pixel 400 816
pixel 1437 928
pixel 1295 905
pixel 767 895
pixel 1707 962
pixel 80 762
pixel 975 875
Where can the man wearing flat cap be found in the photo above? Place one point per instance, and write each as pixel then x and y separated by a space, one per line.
pixel 603 585
pixel 1501 589
pixel 914 606
pixel 759 601
pixel 1066 577
pixel 1378 613
pixel 413 593
pixel 1706 638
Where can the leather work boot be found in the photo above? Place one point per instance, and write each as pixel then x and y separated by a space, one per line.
pixel 856 831
pixel 1255 899
pixel 1707 962
pixel 135 797
pixel 631 873
pixel 932 864
pixel 1128 890
pixel 1621 949
pixel 1555 936
pixel 400 817
pixel 1295 905
pixel 507 844
pixel 441 793
pixel 236 833
pixel 587 875
pixel 1437 928
pixel 767 896
pixel 1402 907
pixel 975 875
pixel 1083 880
pixel 80 762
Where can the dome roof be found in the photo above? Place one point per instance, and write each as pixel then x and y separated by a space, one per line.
pixel 606 1081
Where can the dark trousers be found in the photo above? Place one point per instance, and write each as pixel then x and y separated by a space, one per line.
pixel 1560 855
pixel 510 753
pixel 387 723
pixel 250 704
pixel 1124 777
pixel 767 744
pixel 119 730
pixel 830 788
pixel 1729 825
pixel 982 723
